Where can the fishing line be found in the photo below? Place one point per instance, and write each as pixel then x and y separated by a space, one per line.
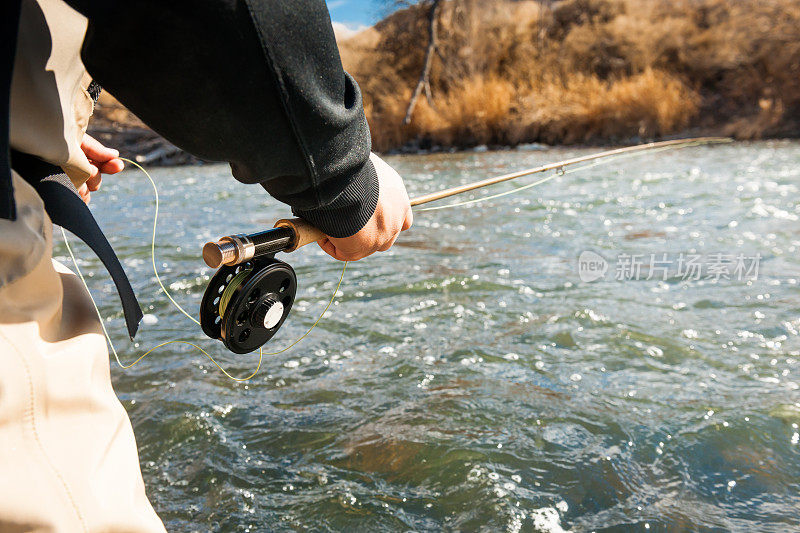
pixel 561 171
pixel 227 294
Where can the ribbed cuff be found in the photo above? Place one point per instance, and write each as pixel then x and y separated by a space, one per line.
pixel 352 209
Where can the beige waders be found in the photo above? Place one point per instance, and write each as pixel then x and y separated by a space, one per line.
pixel 68 458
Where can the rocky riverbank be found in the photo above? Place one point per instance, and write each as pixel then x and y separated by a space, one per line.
pixel 115 126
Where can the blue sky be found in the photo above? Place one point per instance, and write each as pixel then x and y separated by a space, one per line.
pixel 355 13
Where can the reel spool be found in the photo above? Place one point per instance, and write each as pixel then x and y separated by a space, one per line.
pixel 245 305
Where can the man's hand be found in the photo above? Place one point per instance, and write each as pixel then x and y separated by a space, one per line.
pixel 103 160
pixel 392 215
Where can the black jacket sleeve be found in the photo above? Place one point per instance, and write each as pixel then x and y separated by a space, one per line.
pixel 256 83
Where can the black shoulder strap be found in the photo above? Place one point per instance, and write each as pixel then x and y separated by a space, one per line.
pixel 65 208
pixel 9 25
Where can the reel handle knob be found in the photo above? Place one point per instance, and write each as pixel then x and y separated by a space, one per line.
pixel 268 313
pixel 304 232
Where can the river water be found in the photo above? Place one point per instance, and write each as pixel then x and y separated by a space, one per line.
pixel 473 378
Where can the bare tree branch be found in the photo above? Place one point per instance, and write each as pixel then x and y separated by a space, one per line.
pixel 423 82
pixel 429 94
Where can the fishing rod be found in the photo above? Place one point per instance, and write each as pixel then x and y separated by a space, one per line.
pixel 251 294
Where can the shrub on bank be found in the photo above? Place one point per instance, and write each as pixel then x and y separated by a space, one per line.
pixel 508 72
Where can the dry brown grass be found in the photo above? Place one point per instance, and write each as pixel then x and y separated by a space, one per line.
pixel 587 108
pixel 584 70
pixel 473 112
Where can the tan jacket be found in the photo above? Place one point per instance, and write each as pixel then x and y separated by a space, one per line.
pixel 50 105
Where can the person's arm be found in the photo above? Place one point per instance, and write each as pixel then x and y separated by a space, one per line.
pixel 256 83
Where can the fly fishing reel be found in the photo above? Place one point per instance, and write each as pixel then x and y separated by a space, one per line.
pixel 250 296
pixel 245 305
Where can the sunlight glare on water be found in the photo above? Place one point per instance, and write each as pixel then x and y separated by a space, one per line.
pixel 469 379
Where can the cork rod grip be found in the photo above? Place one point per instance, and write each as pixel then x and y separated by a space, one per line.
pixel 304 232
